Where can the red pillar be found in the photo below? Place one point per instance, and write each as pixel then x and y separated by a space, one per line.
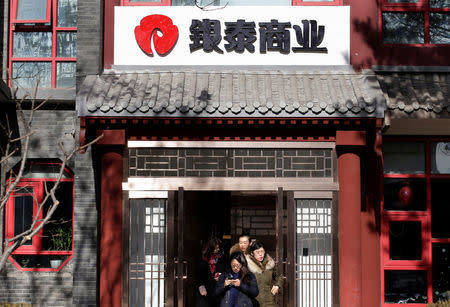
pixel 110 283
pixel 348 144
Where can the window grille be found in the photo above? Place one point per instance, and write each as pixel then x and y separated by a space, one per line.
pixel 147 266
pixel 313 244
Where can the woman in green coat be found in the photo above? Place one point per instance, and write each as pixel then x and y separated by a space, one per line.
pixel 269 281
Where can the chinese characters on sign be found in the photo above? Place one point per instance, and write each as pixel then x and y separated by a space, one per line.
pixel 240 35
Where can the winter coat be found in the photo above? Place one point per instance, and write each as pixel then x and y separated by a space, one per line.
pixel 206 278
pixel 246 292
pixel 266 277
pixel 235 249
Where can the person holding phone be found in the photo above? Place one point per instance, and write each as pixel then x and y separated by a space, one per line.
pixel 238 287
pixel 209 268
pixel 269 281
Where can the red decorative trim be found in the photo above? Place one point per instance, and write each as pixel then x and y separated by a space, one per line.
pixel 111 137
pixel 350 138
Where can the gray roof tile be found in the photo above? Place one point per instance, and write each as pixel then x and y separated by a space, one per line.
pixel 411 92
pixel 239 93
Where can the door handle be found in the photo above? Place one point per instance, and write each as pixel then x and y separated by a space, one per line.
pixel 185 266
pixel 175 271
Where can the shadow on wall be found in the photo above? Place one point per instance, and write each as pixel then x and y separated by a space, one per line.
pixel 367 48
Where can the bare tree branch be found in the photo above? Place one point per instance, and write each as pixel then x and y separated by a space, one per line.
pixel 16 175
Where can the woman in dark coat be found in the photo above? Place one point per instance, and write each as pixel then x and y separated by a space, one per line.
pixel 269 281
pixel 238 287
pixel 209 268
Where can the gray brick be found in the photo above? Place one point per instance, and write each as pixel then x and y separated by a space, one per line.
pixel 254 166
pixel 254 152
pixel 211 166
pixel 240 152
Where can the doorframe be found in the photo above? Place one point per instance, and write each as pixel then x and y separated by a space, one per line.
pixel 291 188
pixel 288 263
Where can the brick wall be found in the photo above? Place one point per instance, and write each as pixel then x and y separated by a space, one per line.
pixel 89 38
pixel 75 284
pixel 256 222
pixel 85 232
pixel 180 162
pixel 42 288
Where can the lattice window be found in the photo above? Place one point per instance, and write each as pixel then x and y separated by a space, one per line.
pixel 313 241
pixel 147 252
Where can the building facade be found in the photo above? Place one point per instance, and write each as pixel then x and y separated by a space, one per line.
pixel 318 127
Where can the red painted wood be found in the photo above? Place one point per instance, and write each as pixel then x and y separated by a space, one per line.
pixel 111 137
pixel 350 269
pixel 108 33
pixel 110 284
pixel 350 138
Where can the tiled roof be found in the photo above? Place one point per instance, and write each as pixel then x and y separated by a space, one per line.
pixel 342 93
pixel 409 92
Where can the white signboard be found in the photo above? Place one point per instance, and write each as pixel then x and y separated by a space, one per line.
pixel 232 35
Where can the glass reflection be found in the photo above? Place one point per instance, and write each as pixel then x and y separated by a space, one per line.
pixel 65 74
pixel 405 241
pixel 32 44
pixel 403 287
pixel 441 272
pixel 440 208
pixel 32 9
pixel 405 194
pixel 67 13
pixel 66 44
pixel 440 3
pixel 440 158
pixel 404 158
pixel 440 28
pixel 403 28
pixel 32 74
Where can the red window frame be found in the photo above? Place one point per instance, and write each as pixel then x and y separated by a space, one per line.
pixel 425 264
pixel 52 27
pixel 36 247
pixel 422 6
pixel 14 7
pixel 294 3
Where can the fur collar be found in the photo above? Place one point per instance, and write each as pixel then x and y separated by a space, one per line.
pixel 257 267
pixel 235 248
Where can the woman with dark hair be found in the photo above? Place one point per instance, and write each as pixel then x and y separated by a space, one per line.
pixel 208 270
pixel 269 281
pixel 238 287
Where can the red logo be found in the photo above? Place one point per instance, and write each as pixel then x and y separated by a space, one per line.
pixel 148 30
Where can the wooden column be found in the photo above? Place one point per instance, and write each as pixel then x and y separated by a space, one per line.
pixel 348 144
pixel 110 232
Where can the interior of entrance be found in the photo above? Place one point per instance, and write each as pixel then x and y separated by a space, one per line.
pixel 225 215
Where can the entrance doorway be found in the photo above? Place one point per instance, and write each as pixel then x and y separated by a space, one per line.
pixel 225 215
pixel 167 232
